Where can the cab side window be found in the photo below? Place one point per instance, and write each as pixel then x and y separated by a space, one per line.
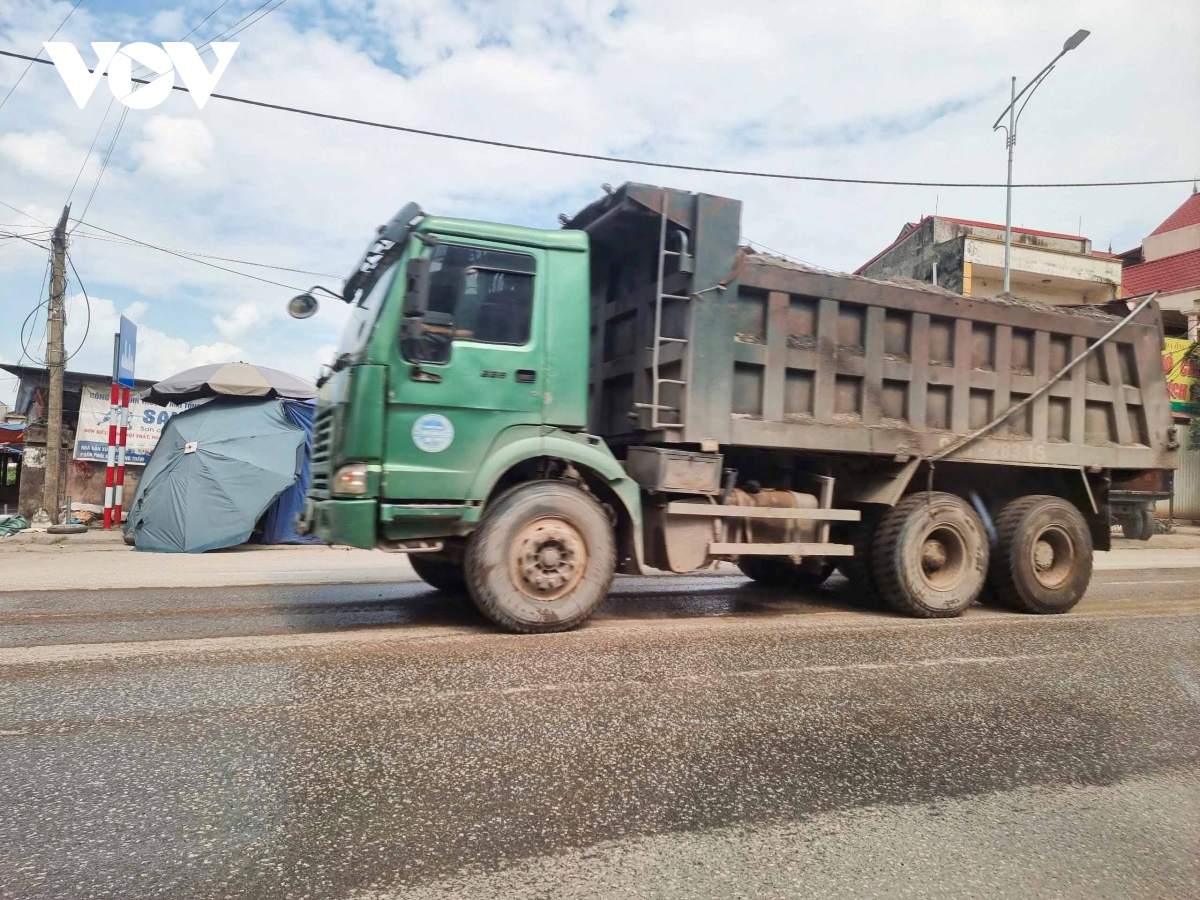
pixel 487 293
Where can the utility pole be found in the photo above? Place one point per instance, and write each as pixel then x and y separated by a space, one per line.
pixel 1010 138
pixel 56 363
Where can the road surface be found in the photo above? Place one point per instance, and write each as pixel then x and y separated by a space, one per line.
pixel 700 738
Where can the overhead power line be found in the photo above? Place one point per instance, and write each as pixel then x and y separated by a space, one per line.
pixel 598 157
pixel 202 262
pixel 243 262
pixel 21 77
pixel 26 215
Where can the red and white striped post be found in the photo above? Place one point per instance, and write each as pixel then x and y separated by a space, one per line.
pixel 121 435
pixel 110 470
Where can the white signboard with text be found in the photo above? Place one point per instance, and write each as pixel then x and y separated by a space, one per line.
pixel 146 421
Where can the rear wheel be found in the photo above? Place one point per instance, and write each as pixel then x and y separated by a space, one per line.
pixel 1149 524
pixel 542 558
pixel 1131 526
pixel 930 555
pixel 859 569
pixel 1044 558
pixel 439 572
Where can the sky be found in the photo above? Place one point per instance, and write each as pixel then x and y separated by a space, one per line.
pixel 856 88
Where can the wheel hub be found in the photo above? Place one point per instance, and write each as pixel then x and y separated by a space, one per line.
pixel 943 557
pixel 933 555
pixel 1053 556
pixel 548 559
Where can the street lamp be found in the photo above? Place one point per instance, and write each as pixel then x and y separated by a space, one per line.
pixel 1010 131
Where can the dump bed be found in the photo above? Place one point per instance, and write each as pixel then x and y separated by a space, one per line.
pixel 695 339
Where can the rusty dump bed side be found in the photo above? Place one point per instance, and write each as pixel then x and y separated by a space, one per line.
pixel 755 351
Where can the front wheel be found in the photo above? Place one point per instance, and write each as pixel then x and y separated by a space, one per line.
pixel 439 572
pixel 1044 555
pixel 542 558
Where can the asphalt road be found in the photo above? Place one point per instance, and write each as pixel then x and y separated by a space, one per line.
pixel 700 738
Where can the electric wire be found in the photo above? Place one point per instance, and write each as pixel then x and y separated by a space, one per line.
pixel 231 32
pixel 104 164
pixel 25 214
pixel 88 303
pixel 22 237
pixel 25 354
pixel 87 156
pixel 205 19
pixel 630 161
pixel 21 77
pixel 193 259
pixel 243 262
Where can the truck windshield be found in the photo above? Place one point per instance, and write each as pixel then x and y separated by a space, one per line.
pixel 363 315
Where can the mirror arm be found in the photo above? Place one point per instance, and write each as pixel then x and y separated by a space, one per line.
pixel 325 290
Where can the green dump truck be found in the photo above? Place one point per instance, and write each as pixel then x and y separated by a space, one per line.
pixel 527 412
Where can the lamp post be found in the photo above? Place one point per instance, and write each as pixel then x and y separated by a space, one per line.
pixel 1010 131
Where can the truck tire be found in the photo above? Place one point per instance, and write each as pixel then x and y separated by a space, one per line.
pixel 1044 555
pixel 781 572
pixel 930 555
pixel 859 569
pixel 1131 526
pixel 438 572
pixel 542 558
pixel 1148 523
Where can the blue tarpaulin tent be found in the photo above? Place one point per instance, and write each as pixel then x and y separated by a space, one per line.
pixel 217 469
pixel 279 522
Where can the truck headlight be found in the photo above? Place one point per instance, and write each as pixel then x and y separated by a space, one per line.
pixel 350 480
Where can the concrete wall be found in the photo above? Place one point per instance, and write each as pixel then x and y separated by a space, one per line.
pixel 970 259
pixel 1170 243
pixel 946 229
pixel 1045 263
pixel 914 257
pixel 82 481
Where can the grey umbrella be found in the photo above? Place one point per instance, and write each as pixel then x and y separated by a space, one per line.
pixel 236 379
pixel 215 469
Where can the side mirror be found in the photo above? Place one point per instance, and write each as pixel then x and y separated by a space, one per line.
pixel 302 306
pixel 416 290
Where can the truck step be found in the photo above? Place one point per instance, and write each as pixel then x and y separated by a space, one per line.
pixel 723 549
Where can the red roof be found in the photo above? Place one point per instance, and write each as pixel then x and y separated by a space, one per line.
pixel 1187 214
pixel 1171 273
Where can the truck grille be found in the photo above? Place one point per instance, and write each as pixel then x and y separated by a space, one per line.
pixel 322 450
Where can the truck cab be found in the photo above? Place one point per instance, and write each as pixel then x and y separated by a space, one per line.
pixel 461 370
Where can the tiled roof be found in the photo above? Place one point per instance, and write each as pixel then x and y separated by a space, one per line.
pixel 1187 214
pixel 1171 273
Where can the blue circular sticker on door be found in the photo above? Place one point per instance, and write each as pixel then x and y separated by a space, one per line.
pixel 433 433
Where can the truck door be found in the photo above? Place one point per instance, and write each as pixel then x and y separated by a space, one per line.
pixel 442 417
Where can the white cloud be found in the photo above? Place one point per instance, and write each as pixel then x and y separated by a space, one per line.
pixel 237 323
pixel 175 148
pixel 856 88
pixel 44 154
pixel 158 354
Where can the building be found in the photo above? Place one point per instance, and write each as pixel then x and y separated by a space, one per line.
pixel 968 257
pixel 1168 261
pixel 82 480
